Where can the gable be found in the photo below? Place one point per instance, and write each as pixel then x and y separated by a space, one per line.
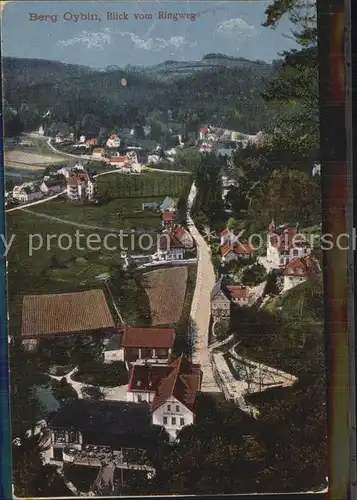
pixel 220 297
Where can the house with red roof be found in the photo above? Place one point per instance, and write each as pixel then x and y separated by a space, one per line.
pixel 170 390
pixel 80 186
pixel 224 294
pixel 285 244
pixel 168 218
pixel 133 344
pixel 298 270
pixel 236 251
pixel 170 248
pixel 183 236
pixel 98 153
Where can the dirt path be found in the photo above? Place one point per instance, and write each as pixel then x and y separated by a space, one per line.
pixel 200 309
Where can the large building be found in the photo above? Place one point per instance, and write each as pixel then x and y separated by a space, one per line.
pixel 133 344
pixel 284 245
pixel 170 390
pixel 49 315
pixel 87 432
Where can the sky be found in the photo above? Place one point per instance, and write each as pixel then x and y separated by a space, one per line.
pixel 82 33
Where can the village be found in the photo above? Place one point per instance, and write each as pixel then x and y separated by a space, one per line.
pixel 116 427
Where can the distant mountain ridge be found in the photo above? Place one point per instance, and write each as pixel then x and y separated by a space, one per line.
pixel 217 89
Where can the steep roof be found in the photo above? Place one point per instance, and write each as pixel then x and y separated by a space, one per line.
pixel 217 288
pixel 300 267
pixel 147 377
pixel 160 338
pixel 237 248
pixel 183 383
pixel 238 291
pixel 168 240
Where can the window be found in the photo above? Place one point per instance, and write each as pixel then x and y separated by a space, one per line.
pixel 168 407
pixel 139 398
pixel 182 421
pixel 165 420
pixel 177 408
pixel 295 252
pixel 173 420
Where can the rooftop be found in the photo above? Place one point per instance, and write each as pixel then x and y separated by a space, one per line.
pixel 168 240
pixel 182 383
pixel 160 338
pixel 301 267
pixel 237 248
pixel 63 313
pixel 168 216
pixel 108 417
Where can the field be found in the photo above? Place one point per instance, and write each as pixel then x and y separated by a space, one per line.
pixel 52 268
pixel 121 202
pixel 166 289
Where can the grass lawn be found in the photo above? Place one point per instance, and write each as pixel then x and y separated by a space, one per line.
pixel 121 213
pixel 39 145
pixel 102 374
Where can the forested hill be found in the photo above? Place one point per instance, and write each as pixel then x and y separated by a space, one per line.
pixel 219 89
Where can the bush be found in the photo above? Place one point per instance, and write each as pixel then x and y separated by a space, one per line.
pixel 222 329
pixel 62 390
pixel 252 276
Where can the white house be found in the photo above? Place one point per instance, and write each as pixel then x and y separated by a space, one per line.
pixel 59 138
pixel 285 245
pixel 98 153
pixel 65 171
pixel 82 139
pixel 236 251
pixel 170 248
pixel 171 391
pixel 153 159
pixel 80 187
pixel 119 161
pixel 298 270
pixel 26 194
pixel 113 141
pixel 53 185
pixel 134 344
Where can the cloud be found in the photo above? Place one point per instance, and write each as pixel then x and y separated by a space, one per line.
pixel 156 43
pixel 89 39
pixel 236 28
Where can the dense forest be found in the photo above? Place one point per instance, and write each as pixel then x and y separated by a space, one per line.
pixel 219 90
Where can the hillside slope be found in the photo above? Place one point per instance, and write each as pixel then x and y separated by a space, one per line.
pixel 225 91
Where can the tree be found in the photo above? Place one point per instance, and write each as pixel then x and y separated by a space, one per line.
pixel 13 126
pixel 253 275
pixel 221 329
